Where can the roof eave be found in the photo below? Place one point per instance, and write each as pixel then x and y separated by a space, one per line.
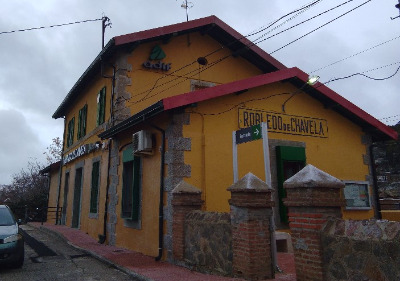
pixel 60 112
pixel 135 119
pixel 377 129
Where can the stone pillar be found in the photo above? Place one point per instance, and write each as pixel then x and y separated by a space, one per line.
pixel 185 198
pixel 312 197
pixel 251 212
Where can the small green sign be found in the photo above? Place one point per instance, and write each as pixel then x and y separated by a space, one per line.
pixel 248 134
pixel 256 132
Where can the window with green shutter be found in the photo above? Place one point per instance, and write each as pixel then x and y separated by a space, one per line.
pixel 131 186
pixel 94 194
pixel 70 132
pixel 101 106
pixel 82 122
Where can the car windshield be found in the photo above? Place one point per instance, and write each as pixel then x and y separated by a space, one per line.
pixel 6 218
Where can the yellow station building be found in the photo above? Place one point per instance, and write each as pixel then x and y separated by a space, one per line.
pixel 181 103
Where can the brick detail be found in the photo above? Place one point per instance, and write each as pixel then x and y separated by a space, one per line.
pixel 309 209
pixel 183 203
pixel 251 213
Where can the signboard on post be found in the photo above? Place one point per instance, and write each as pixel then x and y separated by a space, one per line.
pixel 256 132
pixel 248 134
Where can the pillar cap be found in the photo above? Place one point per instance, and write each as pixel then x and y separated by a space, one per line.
pixel 250 183
pixel 184 187
pixel 311 176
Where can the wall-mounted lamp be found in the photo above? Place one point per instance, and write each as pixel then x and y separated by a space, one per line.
pixel 312 80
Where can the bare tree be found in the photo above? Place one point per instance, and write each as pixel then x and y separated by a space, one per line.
pixel 54 150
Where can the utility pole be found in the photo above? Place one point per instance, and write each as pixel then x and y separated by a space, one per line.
pixel 105 22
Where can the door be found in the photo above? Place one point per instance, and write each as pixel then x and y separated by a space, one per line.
pixel 290 160
pixel 65 202
pixel 76 208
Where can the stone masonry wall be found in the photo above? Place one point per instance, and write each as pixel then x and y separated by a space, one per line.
pixel 361 250
pixel 208 242
pixel 177 170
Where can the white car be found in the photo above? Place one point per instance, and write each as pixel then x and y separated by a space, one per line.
pixel 11 240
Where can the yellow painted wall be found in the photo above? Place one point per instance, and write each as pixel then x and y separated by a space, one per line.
pixel 145 239
pixel 149 85
pixel 210 130
pixel 91 225
pixel 340 154
pixel 53 193
pixel 94 225
pixel 88 96
pixel 179 54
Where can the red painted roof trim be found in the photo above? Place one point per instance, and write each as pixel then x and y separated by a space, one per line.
pixel 180 27
pixel 265 79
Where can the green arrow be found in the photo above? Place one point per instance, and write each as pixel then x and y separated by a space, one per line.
pixel 256 132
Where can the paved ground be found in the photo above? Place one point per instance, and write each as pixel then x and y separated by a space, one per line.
pixel 50 258
pixel 145 267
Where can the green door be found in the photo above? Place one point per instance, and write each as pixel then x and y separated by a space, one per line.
pixel 290 160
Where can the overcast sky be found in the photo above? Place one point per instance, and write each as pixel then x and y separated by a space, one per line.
pixel 39 67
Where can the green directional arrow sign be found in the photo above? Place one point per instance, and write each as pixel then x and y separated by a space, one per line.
pixel 248 134
pixel 256 132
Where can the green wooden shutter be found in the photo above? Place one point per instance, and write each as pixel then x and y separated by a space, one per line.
pixel 131 186
pixel 82 122
pixel 70 136
pixel 136 189
pixel 101 106
pixel 95 187
pixel 84 117
pixel 79 134
pixel 289 154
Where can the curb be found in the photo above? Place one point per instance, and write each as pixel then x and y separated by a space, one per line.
pixel 93 254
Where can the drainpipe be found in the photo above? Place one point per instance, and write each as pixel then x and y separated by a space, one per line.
pixel 161 202
pixel 378 214
pixel 60 173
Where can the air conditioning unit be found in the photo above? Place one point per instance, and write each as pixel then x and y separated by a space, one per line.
pixel 142 142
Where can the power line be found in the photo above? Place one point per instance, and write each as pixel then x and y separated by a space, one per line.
pixel 50 26
pixel 390 117
pixel 320 14
pixel 361 74
pixel 380 67
pixel 356 54
pixel 220 60
pixel 217 50
pixel 308 33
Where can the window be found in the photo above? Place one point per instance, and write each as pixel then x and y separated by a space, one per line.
pixel 357 196
pixel 82 122
pixel 94 194
pixel 101 106
pixel 131 186
pixel 290 160
pixel 76 204
pixel 65 202
pixel 70 133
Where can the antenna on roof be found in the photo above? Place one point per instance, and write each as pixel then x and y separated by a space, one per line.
pixel 105 21
pixel 187 5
